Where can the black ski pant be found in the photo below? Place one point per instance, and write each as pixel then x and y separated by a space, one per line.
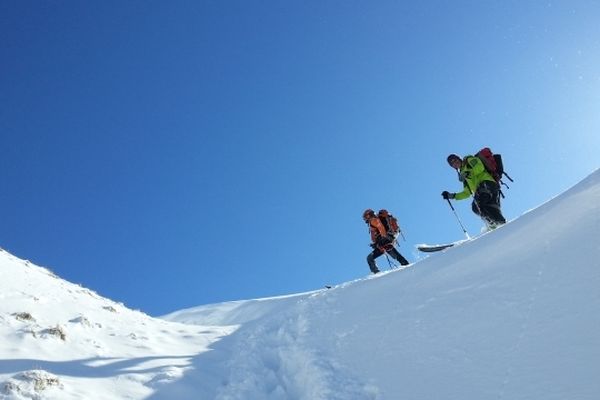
pixel 378 251
pixel 486 203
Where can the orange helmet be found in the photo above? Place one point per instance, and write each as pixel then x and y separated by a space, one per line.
pixel 368 214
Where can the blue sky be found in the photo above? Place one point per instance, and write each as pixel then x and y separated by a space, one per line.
pixel 172 154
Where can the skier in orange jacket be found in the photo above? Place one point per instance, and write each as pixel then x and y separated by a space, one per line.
pixel 382 242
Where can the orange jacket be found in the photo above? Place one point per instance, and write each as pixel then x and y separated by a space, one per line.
pixel 376 229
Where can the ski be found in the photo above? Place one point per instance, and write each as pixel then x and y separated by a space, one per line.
pixel 431 248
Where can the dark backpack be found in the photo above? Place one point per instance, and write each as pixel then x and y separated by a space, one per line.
pixel 390 223
pixel 493 164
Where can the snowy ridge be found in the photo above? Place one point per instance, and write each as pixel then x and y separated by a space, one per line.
pixel 62 341
pixel 513 314
pixel 234 312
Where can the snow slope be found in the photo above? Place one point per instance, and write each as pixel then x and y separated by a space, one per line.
pixel 62 341
pixel 514 314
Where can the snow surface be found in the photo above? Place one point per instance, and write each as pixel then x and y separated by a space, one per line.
pixel 513 314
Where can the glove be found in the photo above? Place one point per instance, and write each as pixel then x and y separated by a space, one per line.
pixel 447 195
pixel 372 245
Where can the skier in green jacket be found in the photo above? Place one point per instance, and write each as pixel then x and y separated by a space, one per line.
pixel 479 184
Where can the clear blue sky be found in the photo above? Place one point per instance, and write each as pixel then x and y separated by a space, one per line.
pixel 169 154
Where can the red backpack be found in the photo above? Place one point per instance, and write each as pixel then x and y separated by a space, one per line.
pixel 493 164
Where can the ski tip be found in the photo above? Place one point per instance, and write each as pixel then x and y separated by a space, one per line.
pixel 426 248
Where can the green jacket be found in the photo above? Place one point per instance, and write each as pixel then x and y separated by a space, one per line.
pixel 472 173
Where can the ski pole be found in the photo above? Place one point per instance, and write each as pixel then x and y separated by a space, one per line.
pixel 402 234
pixel 389 262
pixel 458 218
